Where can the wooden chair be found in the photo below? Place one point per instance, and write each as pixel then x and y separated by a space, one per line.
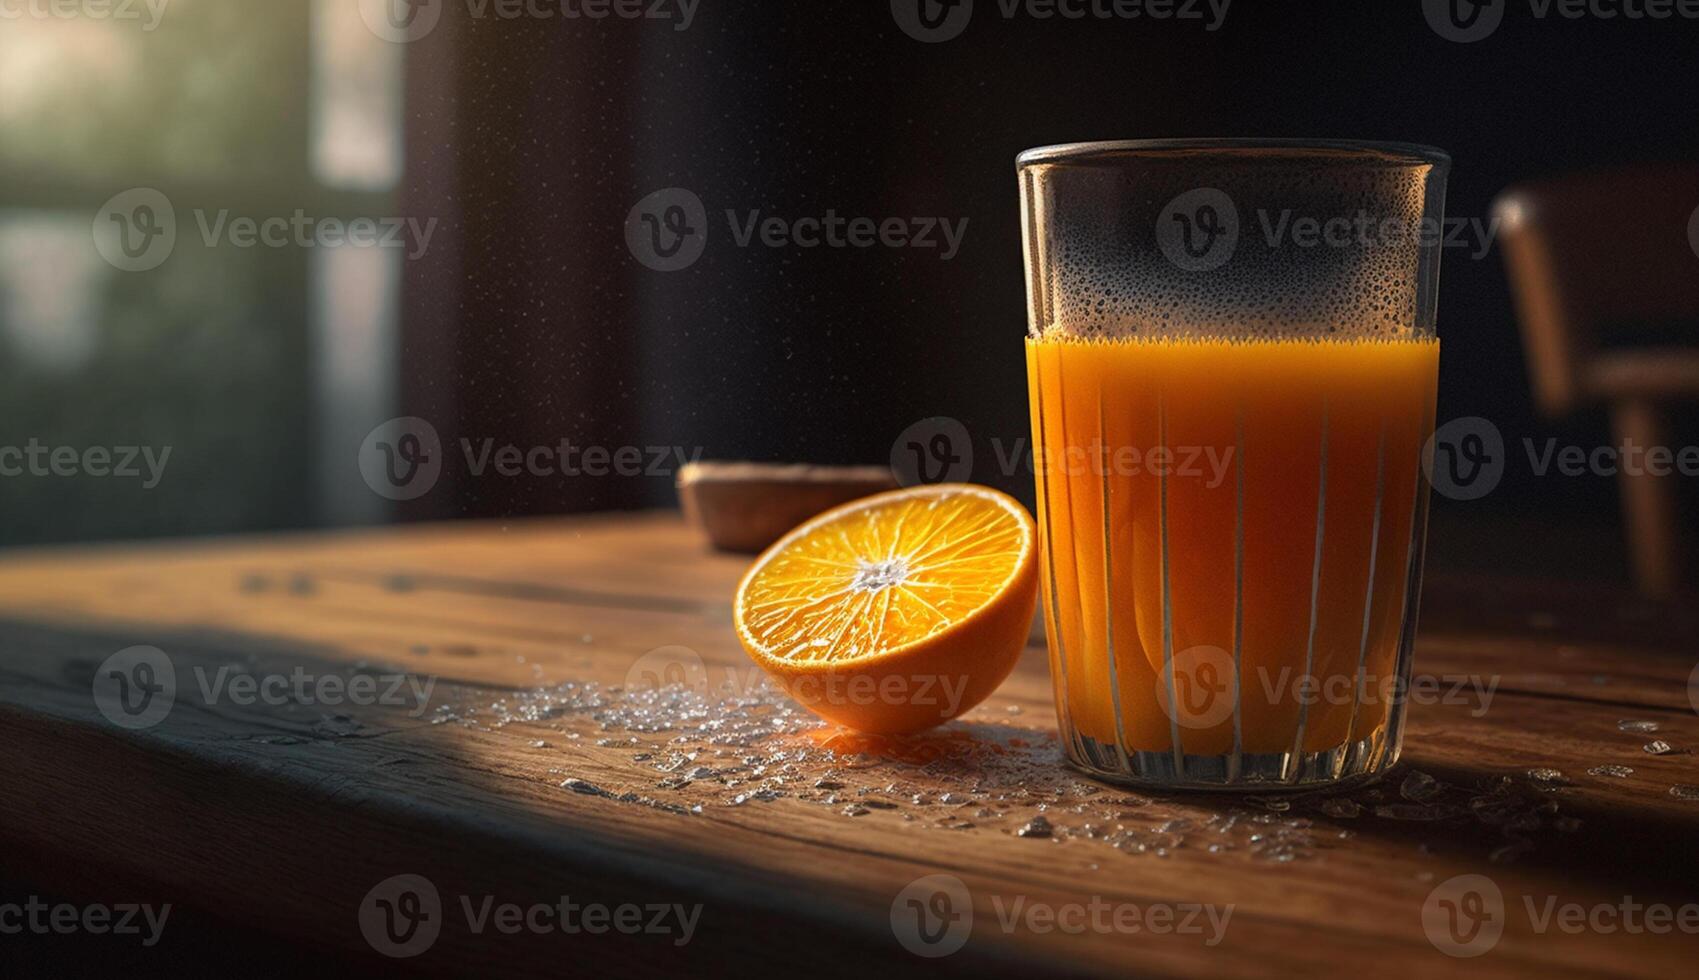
pixel 1593 259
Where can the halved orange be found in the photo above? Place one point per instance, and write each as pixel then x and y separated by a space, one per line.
pixel 896 612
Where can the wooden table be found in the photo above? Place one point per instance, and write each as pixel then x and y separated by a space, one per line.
pixel 285 816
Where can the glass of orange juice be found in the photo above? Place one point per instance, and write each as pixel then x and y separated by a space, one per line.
pixel 1231 364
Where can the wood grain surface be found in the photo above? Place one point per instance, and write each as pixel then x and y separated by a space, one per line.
pixel 508 782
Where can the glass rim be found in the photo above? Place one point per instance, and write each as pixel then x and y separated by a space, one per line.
pixel 1101 151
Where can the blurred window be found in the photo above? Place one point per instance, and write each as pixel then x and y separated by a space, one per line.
pixel 254 364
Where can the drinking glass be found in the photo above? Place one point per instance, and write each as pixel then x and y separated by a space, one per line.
pixel 1231 365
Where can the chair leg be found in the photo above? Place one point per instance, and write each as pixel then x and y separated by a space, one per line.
pixel 1649 503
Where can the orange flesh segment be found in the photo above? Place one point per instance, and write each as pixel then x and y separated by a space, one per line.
pixel 878 579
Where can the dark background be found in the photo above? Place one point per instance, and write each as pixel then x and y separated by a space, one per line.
pixel 529 321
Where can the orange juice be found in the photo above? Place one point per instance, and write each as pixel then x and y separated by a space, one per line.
pixel 1228 529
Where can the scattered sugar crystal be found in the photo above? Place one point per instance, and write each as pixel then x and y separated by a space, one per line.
pixel 1341 808
pixel 762 747
pixel 1522 823
pixel 1419 787
pixel 1658 747
pixel 1637 727
pixel 1613 771
pixel 1494 810
pixel 1683 791
pixel 1415 811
